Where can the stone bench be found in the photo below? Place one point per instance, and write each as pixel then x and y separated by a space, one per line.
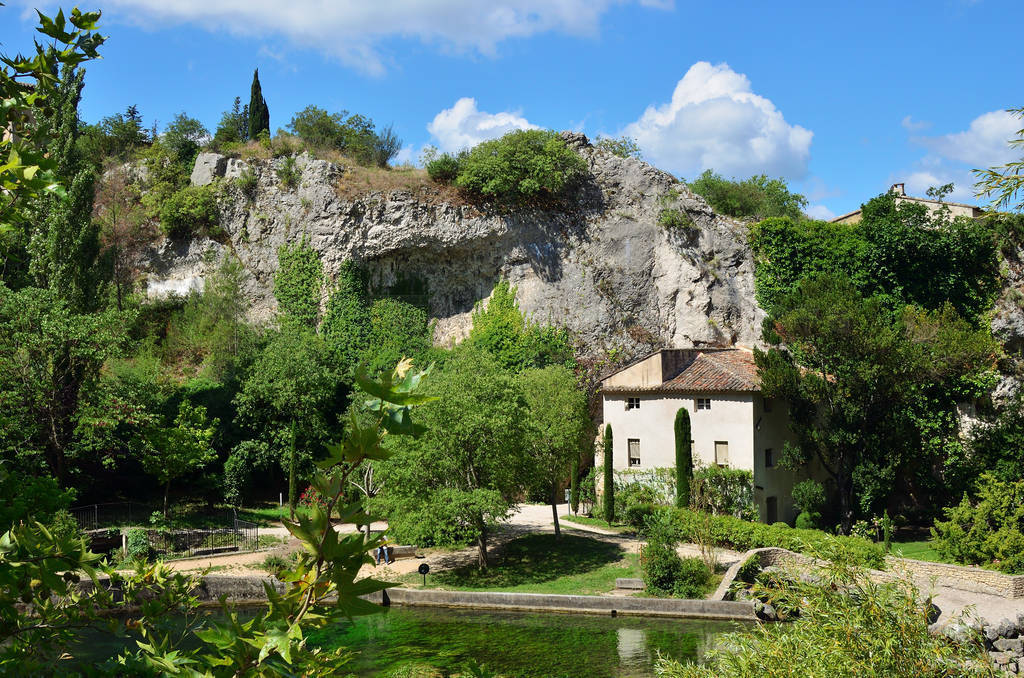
pixel 629 584
pixel 397 551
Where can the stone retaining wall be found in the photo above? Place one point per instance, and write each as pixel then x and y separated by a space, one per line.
pixel 250 589
pixel 613 605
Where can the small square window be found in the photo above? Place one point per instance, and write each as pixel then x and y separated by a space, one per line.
pixel 634 451
pixel 769 457
pixel 632 403
pixel 722 452
pixel 703 404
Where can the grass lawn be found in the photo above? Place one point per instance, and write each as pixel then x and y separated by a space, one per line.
pixel 598 522
pixel 918 550
pixel 538 563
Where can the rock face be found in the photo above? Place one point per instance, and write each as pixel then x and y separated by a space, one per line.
pixel 599 264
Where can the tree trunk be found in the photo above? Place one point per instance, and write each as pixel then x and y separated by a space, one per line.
pixel 291 475
pixel 554 514
pixel 167 491
pixel 481 542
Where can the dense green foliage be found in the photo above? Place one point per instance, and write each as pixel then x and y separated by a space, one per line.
pixel 897 252
pixel 848 627
pixel 808 499
pixel 684 457
pixel 297 284
pixel 725 491
pixel 624 147
pixel 259 114
pixel 755 198
pixel 351 134
pixel 468 470
pixel 514 340
pixel 183 137
pixel 987 529
pixel 444 169
pixel 997 446
pixel 520 166
pixel 191 210
pixel 858 377
pixel 666 574
pixel 558 428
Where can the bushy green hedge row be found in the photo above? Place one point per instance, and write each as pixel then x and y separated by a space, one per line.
pixel 743 535
pixel 520 165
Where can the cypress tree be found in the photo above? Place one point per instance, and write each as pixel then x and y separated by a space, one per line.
pixel 684 458
pixel 609 478
pixel 259 114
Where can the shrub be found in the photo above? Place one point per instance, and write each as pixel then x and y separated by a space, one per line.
pixel 808 495
pixel 189 210
pixel 63 525
pixel 247 183
pixel 742 535
pixel 675 219
pixel 987 531
pixel 520 165
pixel 136 544
pixel 666 574
pixel 636 515
pixel 632 494
pixel 750 568
pixel 289 173
pixel 727 491
pixel 624 147
pixel 848 626
pixel 444 169
pixel 808 521
pixel 757 197
pixel 30 498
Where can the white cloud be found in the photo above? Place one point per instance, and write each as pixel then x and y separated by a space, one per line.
pixel 464 126
pixel 951 157
pixel 820 212
pixel 982 144
pixel 715 121
pixel 351 29
pixel 912 125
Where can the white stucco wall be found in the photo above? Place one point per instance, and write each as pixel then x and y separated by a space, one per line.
pixel 739 420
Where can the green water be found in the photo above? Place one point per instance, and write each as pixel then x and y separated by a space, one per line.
pixel 516 644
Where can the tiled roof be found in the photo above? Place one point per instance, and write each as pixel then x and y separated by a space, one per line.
pixel 721 371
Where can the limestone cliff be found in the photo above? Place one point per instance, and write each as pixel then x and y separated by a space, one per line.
pixel 599 263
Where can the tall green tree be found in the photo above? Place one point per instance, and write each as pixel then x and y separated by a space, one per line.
pixel 609 476
pixel 181 448
pixel 289 400
pixel 853 371
pixel 64 245
pixel 471 467
pixel 183 137
pixel 259 114
pixel 558 422
pixel 684 457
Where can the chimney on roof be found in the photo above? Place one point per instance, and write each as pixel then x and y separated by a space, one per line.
pixel 898 189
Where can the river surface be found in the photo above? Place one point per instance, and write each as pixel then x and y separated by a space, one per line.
pixel 517 644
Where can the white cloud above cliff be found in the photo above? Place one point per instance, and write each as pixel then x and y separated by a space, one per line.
pixel 352 31
pixel 464 125
pixel 714 120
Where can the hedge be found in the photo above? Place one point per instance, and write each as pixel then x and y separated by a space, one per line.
pixel 742 535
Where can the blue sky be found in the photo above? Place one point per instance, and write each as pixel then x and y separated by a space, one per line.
pixel 840 99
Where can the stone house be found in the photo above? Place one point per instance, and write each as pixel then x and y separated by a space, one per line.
pixel 956 209
pixel 732 424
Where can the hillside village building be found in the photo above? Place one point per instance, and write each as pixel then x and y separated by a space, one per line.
pixel 731 423
pixel 956 209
